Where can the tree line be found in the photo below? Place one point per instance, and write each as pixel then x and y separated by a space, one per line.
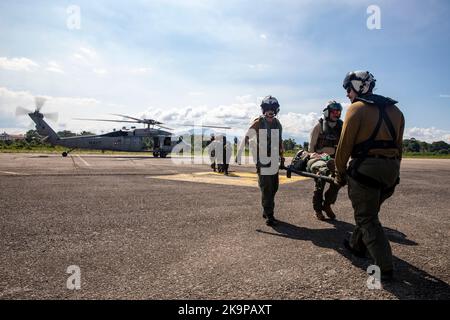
pixel 417 146
pixel 412 145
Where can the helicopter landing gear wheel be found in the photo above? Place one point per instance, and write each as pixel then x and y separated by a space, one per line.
pixel 155 154
pixel 163 155
pixel 66 153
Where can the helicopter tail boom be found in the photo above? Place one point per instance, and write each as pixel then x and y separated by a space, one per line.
pixel 43 128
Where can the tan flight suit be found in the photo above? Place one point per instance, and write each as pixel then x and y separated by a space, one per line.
pixel 268 184
pixel 377 170
pixel 318 143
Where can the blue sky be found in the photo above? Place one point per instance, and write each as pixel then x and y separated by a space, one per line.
pixel 184 61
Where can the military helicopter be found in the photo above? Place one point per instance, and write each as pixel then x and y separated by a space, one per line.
pixel 148 139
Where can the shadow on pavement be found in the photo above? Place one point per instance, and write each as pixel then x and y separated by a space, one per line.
pixel 410 281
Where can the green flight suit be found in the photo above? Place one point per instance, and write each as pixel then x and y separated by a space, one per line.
pixel 366 202
pixel 268 184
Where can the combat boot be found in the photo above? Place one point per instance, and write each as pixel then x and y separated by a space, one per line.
pixel 270 220
pixel 329 212
pixel 320 216
pixel 356 253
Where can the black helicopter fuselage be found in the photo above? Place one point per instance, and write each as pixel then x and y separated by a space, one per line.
pixel 157 141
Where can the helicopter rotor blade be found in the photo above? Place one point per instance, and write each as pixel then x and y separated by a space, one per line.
pixel 121 115
pixel 204 126
pixel 52 116
pixel 39 101
pixel 20 111
pixel 164 127
pixel 107 120
pixel 146 121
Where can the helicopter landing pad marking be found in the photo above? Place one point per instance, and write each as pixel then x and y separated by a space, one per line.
pixel 14 173
pixel 246 179
pixel 84 161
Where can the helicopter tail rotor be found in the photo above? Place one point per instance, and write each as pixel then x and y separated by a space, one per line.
pixel 20 111
pixel 39 103
pixel 52 116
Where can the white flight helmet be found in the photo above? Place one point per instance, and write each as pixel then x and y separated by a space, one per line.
pixel 362 82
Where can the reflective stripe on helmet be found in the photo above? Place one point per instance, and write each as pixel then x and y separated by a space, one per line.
pixel 360 81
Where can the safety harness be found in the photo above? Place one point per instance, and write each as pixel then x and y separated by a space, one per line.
pixel 361 150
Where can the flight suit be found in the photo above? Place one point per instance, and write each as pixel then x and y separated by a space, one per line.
pixel 324 142
pixel 268 183
pixel 372 135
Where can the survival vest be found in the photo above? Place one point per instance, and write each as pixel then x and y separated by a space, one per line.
pixel 330 136
pixel 264 124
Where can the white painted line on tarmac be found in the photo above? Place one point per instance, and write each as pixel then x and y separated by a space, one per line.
pixel 84 161
pixel 15 173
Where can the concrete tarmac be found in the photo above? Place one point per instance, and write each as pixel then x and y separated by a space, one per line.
pixel 147 228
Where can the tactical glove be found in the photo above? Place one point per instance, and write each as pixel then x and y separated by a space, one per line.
pixel 340 179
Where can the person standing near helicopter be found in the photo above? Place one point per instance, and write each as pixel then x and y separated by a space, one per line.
pixel 267 131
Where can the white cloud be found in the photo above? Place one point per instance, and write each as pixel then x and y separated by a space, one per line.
pixel 245 98
pixel 99 71
pixel 93 61
pixel 196 93
pixel 263 36
pixel 88 52
pixel 427 134
pixel 139 70
pixel 78 56
pixel 237 115
pixel 54 67
pixel 86 55
pixel 259 66
pixel 298 125
pixel 18 64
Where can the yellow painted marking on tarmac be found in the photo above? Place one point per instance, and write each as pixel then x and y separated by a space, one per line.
pixel 15 173
pixel 245 179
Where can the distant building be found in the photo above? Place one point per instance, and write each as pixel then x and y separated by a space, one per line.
pixel 11 137
pixel 4 137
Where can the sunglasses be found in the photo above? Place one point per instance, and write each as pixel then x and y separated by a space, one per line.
pixel 348 89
